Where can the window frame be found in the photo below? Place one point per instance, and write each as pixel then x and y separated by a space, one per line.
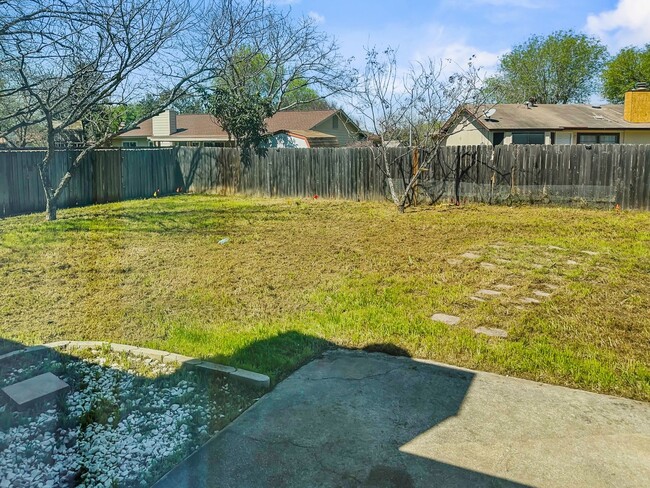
pixel 598 134
pixel 528 132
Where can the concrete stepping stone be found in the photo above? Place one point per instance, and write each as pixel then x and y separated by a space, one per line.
pixel 489 331
pixel 42 387
pixel 503 261
pixel 445 319
pixel 489 293
pixel 470 255
pixel 529 300
pixel 557 248
pixel 590 253
pixel 476 299
pixel 551 287
pixel 541 293
pixel 488 265
pixel 502 286
pixel 454 262
pixel 571 262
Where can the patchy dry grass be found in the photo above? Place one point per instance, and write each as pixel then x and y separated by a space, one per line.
pixel 299 276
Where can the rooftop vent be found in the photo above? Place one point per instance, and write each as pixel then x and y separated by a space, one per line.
pixel 640 86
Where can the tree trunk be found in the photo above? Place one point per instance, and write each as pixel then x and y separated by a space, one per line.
pixel 46 182
pixel 50 207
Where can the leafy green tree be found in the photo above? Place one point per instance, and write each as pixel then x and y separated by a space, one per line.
pixel 286 63
pixel 243 116
pixel 560 68
pixel 623 71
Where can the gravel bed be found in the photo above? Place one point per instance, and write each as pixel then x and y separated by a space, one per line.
pixel 125 421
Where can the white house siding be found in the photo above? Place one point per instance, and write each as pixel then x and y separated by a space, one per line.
pixel 563 138
pixel 139 141
pixel 286 140
pixel 344 133
pixel 466 133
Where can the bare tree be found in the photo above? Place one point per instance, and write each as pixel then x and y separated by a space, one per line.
pixel 284 63
pixel 410 114
pixel 83 61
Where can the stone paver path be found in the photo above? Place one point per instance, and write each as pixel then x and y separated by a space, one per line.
pixel 492 332
pixel 28 392
pixel 445 319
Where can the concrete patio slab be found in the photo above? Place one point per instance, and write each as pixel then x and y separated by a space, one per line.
pixel 357 419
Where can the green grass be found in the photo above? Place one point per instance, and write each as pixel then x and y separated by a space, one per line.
pixel 300 276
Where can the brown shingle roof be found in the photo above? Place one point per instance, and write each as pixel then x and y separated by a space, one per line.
pixel 297 120
pixel 557 117
pixel 202 126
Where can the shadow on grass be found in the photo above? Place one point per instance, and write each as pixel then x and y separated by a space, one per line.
pixel 211 219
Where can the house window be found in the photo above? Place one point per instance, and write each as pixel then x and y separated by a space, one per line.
pixel 528 138
pixel 129 144
pixel 599 138
pixel 335 122
pixel 497 138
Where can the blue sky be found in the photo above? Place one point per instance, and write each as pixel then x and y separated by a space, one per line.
pixel 456 29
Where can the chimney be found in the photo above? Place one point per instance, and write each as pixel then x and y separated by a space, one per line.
pixel 164 124
pixel 637 104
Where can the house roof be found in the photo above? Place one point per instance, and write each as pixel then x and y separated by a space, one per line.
pixel 206 127
pixel 555 117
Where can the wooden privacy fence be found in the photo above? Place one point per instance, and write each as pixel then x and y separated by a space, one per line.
pixel 106 175
pixel 599 175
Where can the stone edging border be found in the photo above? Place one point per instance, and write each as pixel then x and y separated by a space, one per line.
pixel 249 377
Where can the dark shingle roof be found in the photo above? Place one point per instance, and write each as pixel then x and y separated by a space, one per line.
pixel 556 117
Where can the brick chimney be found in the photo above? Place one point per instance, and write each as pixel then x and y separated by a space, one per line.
pixel 164 124
pixel 637 104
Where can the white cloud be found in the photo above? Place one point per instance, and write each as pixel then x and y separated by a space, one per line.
pixel 437 43
pixel 316 17
pixel 627 24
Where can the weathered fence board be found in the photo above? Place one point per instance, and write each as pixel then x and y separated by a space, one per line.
pixel 599 175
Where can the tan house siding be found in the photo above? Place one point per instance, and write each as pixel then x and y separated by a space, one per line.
pixel 636 137
pixel 626 136
pixel 345 133
pixel 467 133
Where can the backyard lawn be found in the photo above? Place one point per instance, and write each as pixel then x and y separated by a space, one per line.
pixel 300 276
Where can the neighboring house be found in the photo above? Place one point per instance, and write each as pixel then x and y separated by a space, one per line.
pixel 554 124
pixel 315 128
